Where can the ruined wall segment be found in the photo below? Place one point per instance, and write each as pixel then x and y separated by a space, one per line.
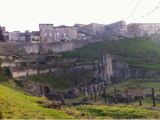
pixel 66 33
pixel 116 30
pixel 49 34
pixel 14 36
pixel 93 29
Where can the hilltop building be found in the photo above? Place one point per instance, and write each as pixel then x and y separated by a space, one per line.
pixel 120 30
pixel 49 33
pixel 143 29
pixel 93 29
pixel 66 33
pixel 116 30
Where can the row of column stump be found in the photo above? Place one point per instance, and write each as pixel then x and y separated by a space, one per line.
pixel 115 98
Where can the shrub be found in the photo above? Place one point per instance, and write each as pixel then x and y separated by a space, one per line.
pixel 49 104
pixel 6 72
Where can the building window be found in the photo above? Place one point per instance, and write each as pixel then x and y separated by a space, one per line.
pixel 58 34
pixel 50 34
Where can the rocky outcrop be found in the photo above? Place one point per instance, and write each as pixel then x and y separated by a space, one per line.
pixel 115 70
pixel 121 71
pixel 139 72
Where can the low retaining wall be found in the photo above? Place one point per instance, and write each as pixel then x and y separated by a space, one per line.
pixel 16 73
pixel 56 47
pixel 7 49
pixel 25 72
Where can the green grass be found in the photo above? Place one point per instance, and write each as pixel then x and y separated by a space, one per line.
pixel 136 84
pixel 15 104
pixel 139 52
pixel 117 112
pixel 147 102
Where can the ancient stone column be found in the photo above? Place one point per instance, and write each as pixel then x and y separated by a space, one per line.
pixel 95 93
pixel 96 89
pixel 153 98
pixel 86 92
pixel 91 91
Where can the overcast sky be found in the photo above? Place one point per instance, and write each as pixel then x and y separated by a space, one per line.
pixel 27 14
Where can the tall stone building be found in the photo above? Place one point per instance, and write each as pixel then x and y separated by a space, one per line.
pixel 47 33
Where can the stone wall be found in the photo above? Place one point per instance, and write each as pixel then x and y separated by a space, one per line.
pixel 31 48
pixel 7 49
pixel 16 73
pixel 8 64
pixel 55 47
pixel 22 71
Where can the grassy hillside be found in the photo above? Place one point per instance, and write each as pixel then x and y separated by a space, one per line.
pixel 139 52
pixel 16 104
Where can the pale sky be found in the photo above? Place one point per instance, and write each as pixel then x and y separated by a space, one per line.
pixel 27 14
